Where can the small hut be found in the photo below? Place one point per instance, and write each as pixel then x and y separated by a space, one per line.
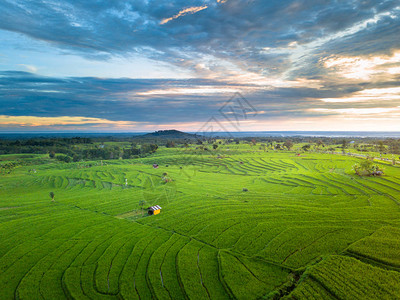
pixel 154 210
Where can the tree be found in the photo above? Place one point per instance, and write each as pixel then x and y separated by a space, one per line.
pixel 76 158
pixel 288 144
pixel 381 146
pixel 52 196
pixel 394 147
pixel 141 203
pixel 215 146
pixel 148 148
pixel 357 169
pixel 130 153
pixel 367 168
pixel 366 165
pixel 52 154
pixel 170 144
pixel 64 158
pixel 7 168
pixel 306 147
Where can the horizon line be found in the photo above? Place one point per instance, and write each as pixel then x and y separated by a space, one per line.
pixel 188 131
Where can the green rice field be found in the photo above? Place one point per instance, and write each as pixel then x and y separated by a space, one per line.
pixel 235 223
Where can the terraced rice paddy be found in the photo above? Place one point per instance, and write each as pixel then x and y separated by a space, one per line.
pixel 306 228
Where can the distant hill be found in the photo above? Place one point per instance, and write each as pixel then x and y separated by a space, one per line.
pixel 170 134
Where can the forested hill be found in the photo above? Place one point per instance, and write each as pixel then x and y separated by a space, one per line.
pixel 170 134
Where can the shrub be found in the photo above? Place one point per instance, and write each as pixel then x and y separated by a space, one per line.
pixel 64 158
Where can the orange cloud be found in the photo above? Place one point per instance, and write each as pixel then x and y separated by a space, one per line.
pixel 354 67
pixel 381 111
pixel 32 121
pixel 189 10
pixel 371 95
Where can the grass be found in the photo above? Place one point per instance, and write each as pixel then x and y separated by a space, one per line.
pixel 343 277
pixel 307 215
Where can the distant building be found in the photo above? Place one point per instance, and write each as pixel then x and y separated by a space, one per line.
pixel 154 210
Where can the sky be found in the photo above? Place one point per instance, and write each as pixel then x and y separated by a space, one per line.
pixel 211 65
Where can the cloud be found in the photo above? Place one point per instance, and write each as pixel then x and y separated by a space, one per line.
pixel 223 37
pixel 290 58
pixel 33 121
pixel 138 104
pixel 122 99
pixel 380 111
pixel 29 68
pixel 369 95
pixel 189 10
pixel 359 67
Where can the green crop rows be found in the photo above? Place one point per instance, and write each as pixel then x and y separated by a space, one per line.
pixel 243 225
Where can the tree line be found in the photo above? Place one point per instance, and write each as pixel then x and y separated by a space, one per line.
pixel 74 149
pixel 105 153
